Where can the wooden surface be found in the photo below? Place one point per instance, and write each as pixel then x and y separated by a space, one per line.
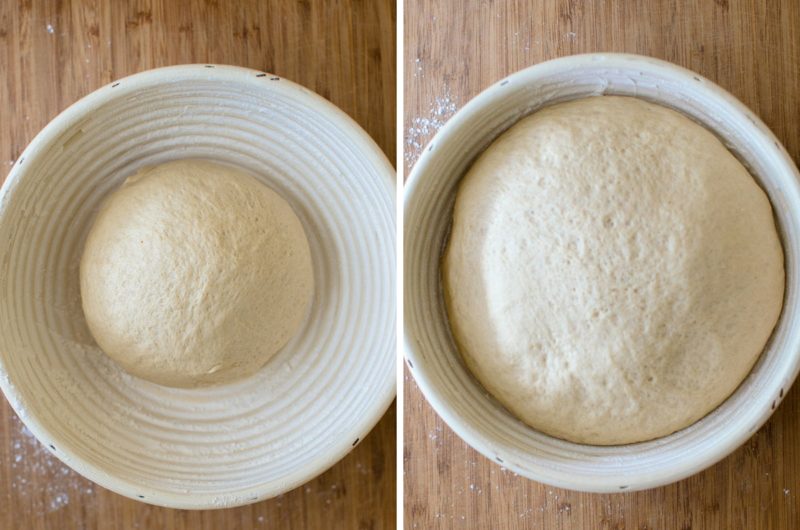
pixel 51 54
pixel 749 47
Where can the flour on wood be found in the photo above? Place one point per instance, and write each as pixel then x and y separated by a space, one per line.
pixel 424 127
pixel 33 465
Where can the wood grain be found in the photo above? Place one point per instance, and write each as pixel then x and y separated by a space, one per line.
pixel 452 52
pixel 53 53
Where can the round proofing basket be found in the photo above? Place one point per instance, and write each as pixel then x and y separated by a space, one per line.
pixel 431 355
pixel 219 446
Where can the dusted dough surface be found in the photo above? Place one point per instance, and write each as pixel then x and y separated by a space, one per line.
pixel 195 273
pixel 613 272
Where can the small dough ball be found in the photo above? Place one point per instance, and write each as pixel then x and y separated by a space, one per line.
pixel 195 273
pixel 613 271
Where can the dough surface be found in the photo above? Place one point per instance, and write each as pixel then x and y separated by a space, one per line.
pixel 195 273
pixel 613 271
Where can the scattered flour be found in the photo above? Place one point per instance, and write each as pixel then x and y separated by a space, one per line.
pixel 476 489
pixel 418 68
pixel 32 465
pixel 436 437
pixel 59 501
pixel 361 468
pixel 423 128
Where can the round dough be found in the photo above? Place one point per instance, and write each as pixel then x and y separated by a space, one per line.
pixel 195 273
pixel 613 271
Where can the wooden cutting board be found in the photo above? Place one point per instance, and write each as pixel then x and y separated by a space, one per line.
pixel 53 53
pixel 455 50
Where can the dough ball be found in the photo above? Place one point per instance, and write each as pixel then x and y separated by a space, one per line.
pixel 195 273
pixel 613 271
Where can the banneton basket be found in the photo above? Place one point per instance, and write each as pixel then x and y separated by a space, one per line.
pixel 431 355
pixel 226 445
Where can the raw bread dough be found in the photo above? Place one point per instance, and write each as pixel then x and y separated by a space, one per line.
pixel 613 272
pixel 195 273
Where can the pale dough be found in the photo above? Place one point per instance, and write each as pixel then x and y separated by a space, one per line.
pixel 195 273
pixel 613 271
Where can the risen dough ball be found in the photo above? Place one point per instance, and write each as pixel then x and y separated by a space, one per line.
pixel 613 271
pixel 195 273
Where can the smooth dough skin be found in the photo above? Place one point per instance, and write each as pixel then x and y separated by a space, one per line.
pixel 613 272
pixel 194 274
